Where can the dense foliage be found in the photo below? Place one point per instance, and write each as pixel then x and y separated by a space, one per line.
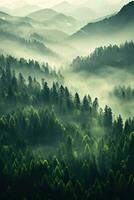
pixel 30 67
pixel 92 152
pixel 119 57
pixel 124 93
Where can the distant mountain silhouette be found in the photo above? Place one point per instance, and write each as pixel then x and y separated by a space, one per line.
pixel 78 12
pixel 56 20
pixel 44 14
pixel 18 33
pixel 127 10
pixel 4 15
pixel 122 21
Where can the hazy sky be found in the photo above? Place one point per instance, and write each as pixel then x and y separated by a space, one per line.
pixel 49 3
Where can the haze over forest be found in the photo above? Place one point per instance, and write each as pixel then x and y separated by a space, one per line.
pixel 66 100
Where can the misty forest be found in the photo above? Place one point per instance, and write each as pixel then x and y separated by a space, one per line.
pixel 66 101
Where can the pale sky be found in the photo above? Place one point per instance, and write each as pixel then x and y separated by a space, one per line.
pixel 49 3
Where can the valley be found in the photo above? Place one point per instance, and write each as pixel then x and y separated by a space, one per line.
pixel 66 100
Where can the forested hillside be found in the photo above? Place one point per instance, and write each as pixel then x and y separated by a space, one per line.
pixel 117 57
pixel 31 68
pixel 91 153
pixel 124 93
pixel 66 100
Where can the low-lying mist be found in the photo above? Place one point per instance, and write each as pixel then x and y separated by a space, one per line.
pixel 102 85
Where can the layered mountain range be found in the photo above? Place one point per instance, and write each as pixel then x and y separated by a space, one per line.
pixel 123 21
pixel 58 32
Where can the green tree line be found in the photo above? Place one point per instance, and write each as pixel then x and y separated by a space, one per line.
pixel 93 151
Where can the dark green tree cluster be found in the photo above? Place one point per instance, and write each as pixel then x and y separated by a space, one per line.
pixel 124 93
pixel 92 152
pixel 120 57
pixel 23 65
pixel 107 173
pixel 16 90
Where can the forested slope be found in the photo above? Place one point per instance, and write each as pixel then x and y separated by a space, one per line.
pixel 117 57
pixel 93 151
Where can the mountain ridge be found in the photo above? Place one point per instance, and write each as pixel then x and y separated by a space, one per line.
pixel 111 24
pixel 76 11
pixel 43 14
